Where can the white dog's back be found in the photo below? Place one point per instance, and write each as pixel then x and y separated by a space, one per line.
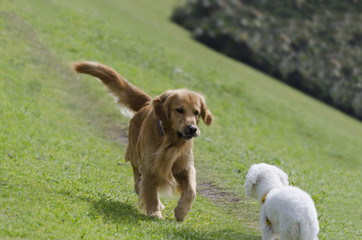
pixel 292 213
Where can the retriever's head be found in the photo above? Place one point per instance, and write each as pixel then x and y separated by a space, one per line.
pixel 180 111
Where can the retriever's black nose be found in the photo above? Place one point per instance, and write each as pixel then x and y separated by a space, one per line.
pixel 191 129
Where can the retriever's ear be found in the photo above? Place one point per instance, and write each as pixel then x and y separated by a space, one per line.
pixel 205 113
pixel 160 106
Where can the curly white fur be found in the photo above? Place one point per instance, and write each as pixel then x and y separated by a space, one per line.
pixel 286 210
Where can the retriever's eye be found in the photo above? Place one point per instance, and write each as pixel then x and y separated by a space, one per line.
pixel 196 112
pixel 179 110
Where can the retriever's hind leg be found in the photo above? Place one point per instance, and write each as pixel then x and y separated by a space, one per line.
pixel 137 179
pixel 187 182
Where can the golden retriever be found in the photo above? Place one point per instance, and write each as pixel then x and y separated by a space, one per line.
pixel 160 140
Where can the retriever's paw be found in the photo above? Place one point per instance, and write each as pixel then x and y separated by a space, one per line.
pixel 180 214
pixel 157 215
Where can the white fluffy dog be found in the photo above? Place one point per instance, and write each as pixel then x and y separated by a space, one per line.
pixel 286 210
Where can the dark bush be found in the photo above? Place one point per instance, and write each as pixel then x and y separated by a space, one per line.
pixel 315 46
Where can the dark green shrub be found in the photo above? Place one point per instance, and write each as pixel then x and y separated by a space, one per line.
pixel 315 46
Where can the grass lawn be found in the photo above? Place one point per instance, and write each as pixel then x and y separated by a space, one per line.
pixel 62 139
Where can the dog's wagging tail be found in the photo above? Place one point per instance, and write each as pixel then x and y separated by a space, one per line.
pixel 125 93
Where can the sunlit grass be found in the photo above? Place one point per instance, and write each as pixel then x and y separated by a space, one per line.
pixel 60 151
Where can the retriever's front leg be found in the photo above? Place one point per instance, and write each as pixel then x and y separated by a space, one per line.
pixel 149 196
pixel 187 181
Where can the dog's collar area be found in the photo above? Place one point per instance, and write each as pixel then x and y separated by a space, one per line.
pixel 160 127
pixel 264 197
pixel 267 221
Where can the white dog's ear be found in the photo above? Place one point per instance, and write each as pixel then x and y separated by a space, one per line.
pixel 248 186
pixel 251 180
pixel 283 178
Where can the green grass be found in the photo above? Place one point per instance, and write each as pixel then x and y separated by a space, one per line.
pixel 59 172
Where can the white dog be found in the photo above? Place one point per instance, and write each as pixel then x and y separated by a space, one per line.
pixel 286 210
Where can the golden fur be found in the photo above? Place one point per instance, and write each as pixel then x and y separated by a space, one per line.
pixel 160 138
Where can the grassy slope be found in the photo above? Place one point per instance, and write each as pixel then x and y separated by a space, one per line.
pixel 59 176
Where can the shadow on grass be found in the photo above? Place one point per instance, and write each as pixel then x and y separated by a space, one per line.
pixel 116 212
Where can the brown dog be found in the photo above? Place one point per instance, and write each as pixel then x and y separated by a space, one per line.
pixel 160 138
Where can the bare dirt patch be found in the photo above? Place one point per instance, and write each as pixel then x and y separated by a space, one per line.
pixel 230 201
pixel 215 193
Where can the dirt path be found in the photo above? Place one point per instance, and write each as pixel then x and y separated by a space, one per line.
pixel 83 105
pixel 82 101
